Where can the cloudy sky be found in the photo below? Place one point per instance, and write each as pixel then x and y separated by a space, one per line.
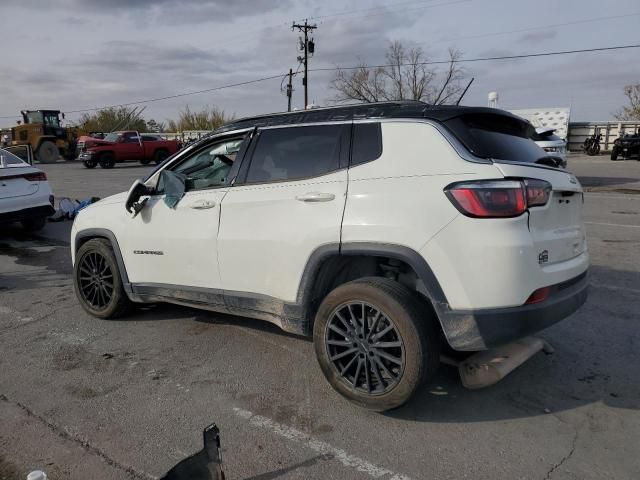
pixel 78 54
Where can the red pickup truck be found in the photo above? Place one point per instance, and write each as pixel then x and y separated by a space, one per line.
pixel 125 146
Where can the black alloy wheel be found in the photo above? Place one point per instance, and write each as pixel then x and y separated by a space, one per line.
pixel 96 280
pixel 365 348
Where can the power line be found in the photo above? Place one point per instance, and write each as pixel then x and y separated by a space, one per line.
pixel 168 97
pixel 436 62
pixel 481 59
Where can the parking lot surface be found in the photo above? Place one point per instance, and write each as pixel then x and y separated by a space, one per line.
pixel 87 398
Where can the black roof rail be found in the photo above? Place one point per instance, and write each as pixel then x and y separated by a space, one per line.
pixel 396 109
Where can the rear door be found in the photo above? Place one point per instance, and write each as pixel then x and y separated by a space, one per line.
pixel 287 202
pixel 557 228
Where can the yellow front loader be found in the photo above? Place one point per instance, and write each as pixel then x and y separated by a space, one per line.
pixel 48 138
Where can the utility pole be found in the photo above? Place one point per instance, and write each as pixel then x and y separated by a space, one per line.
pixel 289 90
pixel 309 48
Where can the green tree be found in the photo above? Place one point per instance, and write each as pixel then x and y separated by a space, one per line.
pixel 209 118
pixel 631 111
pixel 113 118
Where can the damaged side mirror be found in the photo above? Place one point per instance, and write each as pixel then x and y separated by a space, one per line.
pixel 133 204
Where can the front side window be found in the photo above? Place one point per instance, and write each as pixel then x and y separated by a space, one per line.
pixel 208 167
pixel 295 152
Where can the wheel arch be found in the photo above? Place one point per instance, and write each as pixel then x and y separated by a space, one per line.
pixel 332 265
pixel 83 236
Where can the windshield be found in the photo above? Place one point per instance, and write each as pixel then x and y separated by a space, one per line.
pixel 497 136
pixel 34 117
pixel 111 137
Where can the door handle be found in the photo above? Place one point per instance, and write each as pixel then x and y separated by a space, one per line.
pixel 202 204
pixel 315 197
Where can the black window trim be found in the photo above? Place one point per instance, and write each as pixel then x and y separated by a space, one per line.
pixel 205 146
pixel 343 160
pixel 180 155
pixel 353 135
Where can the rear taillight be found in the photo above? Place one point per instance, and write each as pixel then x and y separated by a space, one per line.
pixel 538 192
pixel 498 198
pixel 35 177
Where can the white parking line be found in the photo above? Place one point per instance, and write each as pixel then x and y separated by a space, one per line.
pixel 612 224
pixel 319 446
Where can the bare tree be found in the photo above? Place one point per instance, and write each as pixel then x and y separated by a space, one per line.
pixel 406 76
pixel 632 111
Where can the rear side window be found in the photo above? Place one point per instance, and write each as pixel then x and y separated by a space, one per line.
pixel 367 143
pixel 497 136
pixel 295 152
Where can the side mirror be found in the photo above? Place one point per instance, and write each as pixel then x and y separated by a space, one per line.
pixel 137 190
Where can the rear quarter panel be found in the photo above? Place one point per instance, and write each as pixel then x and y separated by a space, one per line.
pixel 399 198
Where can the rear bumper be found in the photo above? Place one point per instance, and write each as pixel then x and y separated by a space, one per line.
pixel 474 330
pixel 27 213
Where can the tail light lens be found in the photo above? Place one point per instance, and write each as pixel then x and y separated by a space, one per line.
pixel 498 198
pixel 538 192
pixel 35 177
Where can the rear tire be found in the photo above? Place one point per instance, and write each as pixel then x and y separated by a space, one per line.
pixel 47 152
pixel 34 224
pixel 145 161
pixel 614 153
pixel 97 281
pixel 90 163
pixel 406 355
pixel 107 160
pixel 160 156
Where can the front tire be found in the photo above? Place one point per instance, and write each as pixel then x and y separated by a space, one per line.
pixel 375 342
pixel 47 152
pixel 614 154
pixel 107 160
pixel 90 163
pixel 97 282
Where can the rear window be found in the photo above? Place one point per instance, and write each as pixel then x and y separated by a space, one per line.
pixel 497 136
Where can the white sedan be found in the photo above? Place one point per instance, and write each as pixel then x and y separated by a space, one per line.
pixel 25 194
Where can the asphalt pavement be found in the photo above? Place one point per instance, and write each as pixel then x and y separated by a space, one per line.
pixel 86 398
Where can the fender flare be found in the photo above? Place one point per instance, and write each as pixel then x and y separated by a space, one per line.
pixel 399 252
pixel 87 234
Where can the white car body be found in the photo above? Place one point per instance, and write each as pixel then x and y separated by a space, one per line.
pixel 552 144
pixel 252 248
pixel 25 194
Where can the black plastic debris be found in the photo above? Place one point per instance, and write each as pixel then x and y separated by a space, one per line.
pixel 204 465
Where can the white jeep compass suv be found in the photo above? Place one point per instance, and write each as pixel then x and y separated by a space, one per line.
pixel 386 231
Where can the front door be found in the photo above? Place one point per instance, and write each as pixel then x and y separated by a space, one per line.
pixel 172 243
pixel 131 147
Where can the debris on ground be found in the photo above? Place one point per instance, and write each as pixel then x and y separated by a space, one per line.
pixel 68 208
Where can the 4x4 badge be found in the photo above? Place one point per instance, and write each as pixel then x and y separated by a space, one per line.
pixel 543 257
